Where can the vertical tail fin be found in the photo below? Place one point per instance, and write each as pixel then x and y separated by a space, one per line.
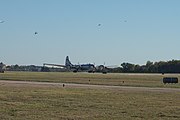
pixel 67 62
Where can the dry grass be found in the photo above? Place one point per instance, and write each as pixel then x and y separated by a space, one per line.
pixel 58 103
pixel 142 80
pixel 19 102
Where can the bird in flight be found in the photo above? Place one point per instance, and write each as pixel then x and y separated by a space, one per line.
pixel 36 33
pixel 99 24
pixel 1 21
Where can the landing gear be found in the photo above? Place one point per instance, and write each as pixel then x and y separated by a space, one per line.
pixel 75 71
pixel 104 72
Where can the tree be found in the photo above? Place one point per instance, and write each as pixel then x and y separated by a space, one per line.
pixel 127 67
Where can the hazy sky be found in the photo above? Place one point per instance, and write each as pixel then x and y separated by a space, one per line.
pixel 132 31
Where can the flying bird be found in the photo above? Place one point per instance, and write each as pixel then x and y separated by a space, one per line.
pixel 99 24
pixel 36 33
pixel 1 21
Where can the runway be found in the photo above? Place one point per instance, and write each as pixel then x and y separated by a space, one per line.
pixel 73 85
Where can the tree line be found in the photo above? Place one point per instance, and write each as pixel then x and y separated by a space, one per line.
pixel 172 66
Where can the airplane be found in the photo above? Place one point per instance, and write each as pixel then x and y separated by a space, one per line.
pixel 91 68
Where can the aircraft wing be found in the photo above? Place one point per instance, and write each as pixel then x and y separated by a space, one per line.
pixel 57 65
pixel 113 66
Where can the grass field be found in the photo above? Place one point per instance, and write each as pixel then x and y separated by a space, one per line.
pixel 142 80
pixel 58 103
pixel 43 102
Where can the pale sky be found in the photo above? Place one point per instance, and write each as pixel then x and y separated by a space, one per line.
pixel 132 31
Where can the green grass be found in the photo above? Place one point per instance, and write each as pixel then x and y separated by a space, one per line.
pixel 58 103
pixel 142 80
